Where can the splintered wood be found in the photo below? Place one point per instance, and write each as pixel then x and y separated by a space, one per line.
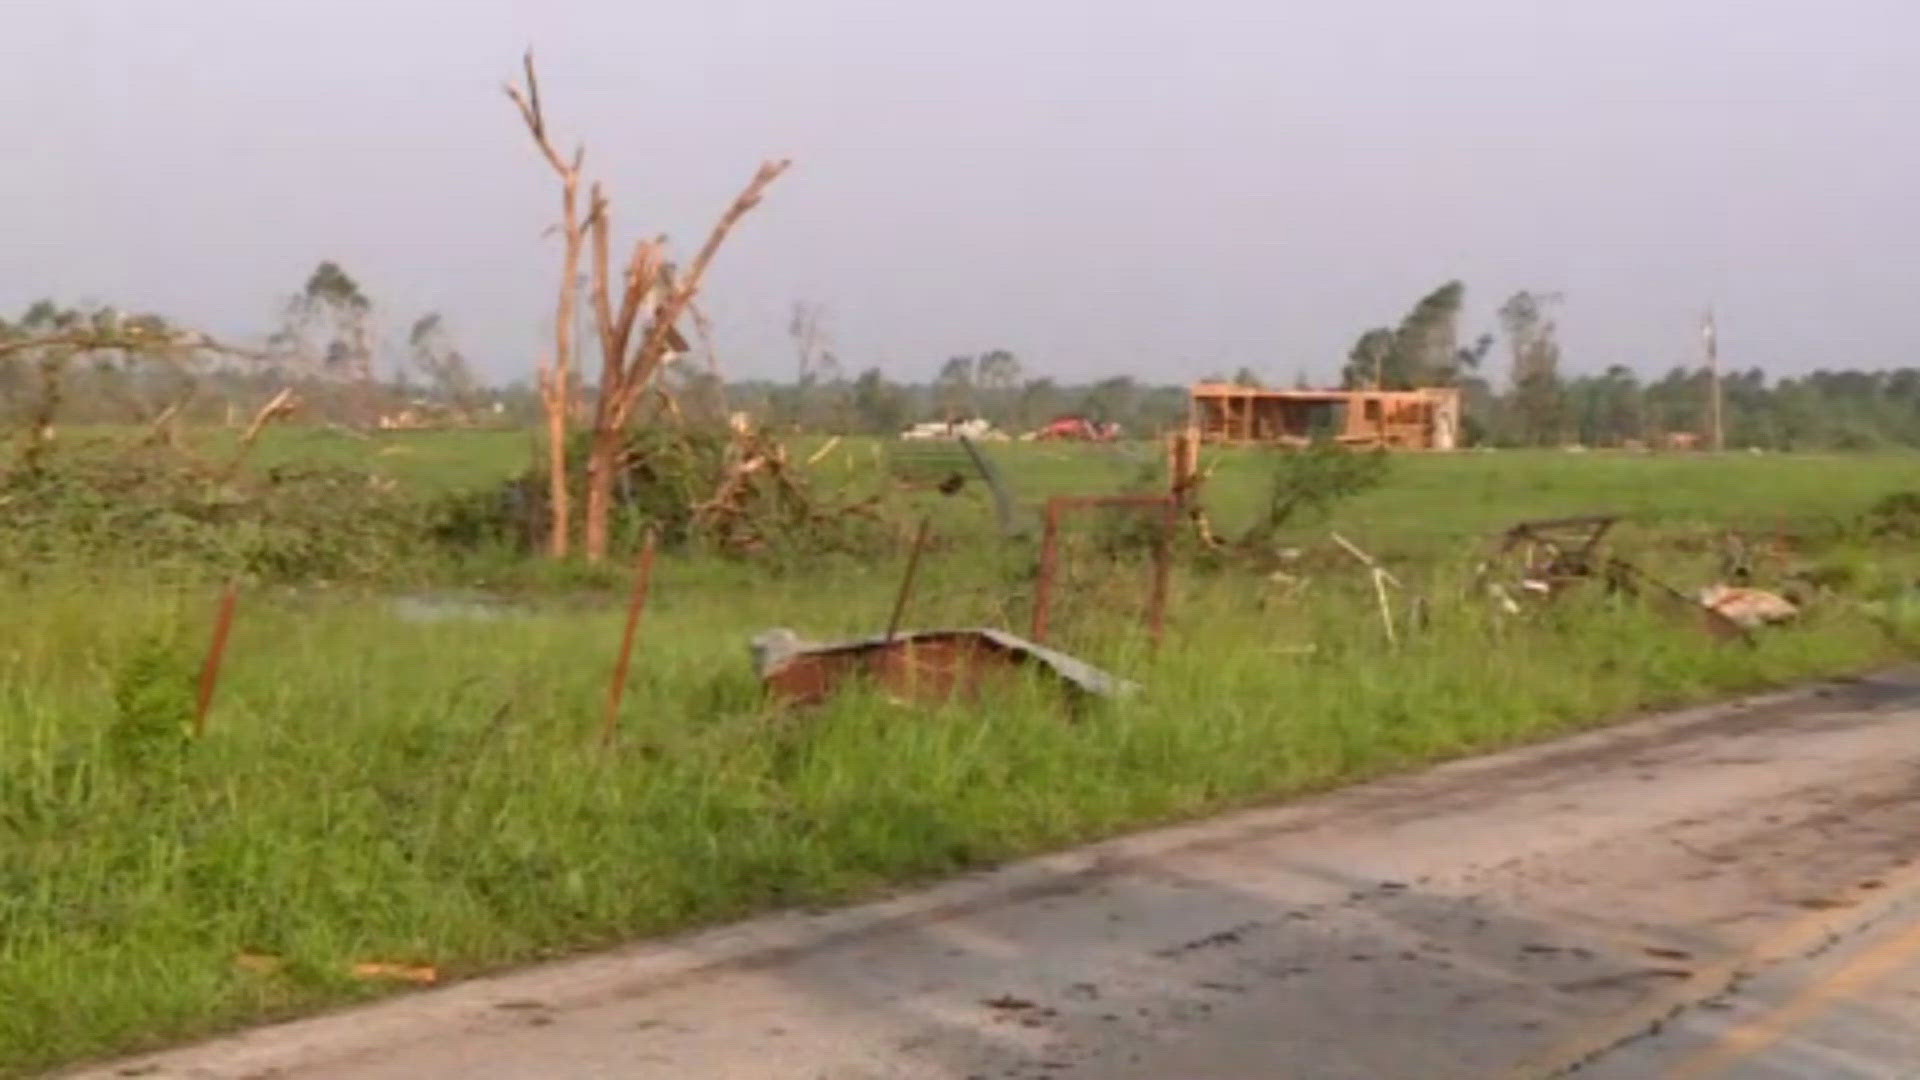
pixel 1382 577
pixel 637 338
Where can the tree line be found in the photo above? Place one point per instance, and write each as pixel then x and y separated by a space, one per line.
pixel 1513 383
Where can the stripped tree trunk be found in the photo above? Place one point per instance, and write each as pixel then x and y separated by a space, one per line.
pixel 556 372
pixel 636 342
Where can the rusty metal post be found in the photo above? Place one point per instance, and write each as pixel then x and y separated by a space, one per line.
pixel 617 688
pixel 1043 581
pixel 217 651
pixel 1162 570
pixel 906 581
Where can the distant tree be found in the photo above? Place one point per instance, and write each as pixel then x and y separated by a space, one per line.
pixel 1426 345
pixel 806 327
pixel 326 333
pixel 1466 361
pixel 1620 413
pixel 1113 400
pixel 440 362
pixel 701 395
pixel 1539 403
pixel 1246 377
pixel 327 326
pixel 1422 351
pixel 1040 401
pixel 879 407
pixel 1368 360
pixel 997 370
pixel 953 388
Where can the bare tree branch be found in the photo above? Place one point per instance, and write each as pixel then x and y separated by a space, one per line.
pixel 556 372
pixel 679 295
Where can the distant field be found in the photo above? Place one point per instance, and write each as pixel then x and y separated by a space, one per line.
pixel 1429 496
pixel 379 787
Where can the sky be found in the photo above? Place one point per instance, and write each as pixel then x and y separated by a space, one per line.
pixel 1162 190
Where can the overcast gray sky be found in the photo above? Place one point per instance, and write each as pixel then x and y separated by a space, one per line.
pixel 1157 189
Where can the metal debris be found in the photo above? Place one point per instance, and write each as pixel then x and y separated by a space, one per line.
pixel 921 665
pixel 1552 553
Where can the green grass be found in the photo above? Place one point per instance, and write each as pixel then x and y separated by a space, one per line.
pixel 374 788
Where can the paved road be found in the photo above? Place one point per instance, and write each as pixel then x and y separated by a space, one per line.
pixel 1729 892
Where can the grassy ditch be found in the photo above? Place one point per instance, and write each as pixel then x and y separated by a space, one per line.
pixel 378 787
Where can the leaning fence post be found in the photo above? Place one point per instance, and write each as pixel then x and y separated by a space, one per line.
pixel 1162 569
pixel 216 651
pixel 906 580
pixel 617 688
pixel 1043 581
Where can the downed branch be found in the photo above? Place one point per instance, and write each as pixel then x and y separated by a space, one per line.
pixel 1382 577
pixel 1627 578
pixel 1553 554
pixel 280 406
pixel 51 339
pixel 627 375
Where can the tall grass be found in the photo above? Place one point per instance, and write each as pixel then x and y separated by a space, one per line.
pixel 374 787
pixel 379 788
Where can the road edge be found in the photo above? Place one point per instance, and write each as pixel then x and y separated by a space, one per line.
pixel 337 1038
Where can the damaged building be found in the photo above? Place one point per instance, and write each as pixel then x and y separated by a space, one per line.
pixel 1426 418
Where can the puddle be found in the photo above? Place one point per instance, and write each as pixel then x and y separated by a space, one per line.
pixel 449 607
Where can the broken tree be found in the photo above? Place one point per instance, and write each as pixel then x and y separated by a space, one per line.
pixel 638 338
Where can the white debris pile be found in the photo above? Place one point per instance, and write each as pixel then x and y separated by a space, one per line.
pixel 977 429
pixel 1748 608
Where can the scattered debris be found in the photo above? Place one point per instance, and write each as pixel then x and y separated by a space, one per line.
pixel 258 963
pixel 1553 553
pixel 819 455
pixel 1556 553
pixel 1168 507
pixel 1382 577
pixel 417 974
pixel 759 498
pixel 978 429
pixel 1073 429
pixel 921 666
pixel 1624 577
pixel 1750 608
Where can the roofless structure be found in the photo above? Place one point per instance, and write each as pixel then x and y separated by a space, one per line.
pixel 1426 418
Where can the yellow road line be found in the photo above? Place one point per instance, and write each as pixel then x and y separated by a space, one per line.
pixel 1857 974
pixel 1798 938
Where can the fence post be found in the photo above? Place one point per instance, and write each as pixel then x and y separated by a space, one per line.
pixel 216 651
pixel 642 582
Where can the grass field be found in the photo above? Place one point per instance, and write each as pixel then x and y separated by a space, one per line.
pixel 375 786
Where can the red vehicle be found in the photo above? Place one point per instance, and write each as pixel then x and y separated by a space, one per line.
pixel 1077 429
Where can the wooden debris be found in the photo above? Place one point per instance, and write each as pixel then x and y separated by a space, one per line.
pixel 816 457
pixel 258 963
pixel 1382 577
pixel 1553 553
pixel 417 974
pixel 1749 608
pixel 1627 578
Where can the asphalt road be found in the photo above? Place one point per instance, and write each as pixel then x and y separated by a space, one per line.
pixel 1731 892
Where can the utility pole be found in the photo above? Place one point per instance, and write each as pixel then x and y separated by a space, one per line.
pixel 1716 435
